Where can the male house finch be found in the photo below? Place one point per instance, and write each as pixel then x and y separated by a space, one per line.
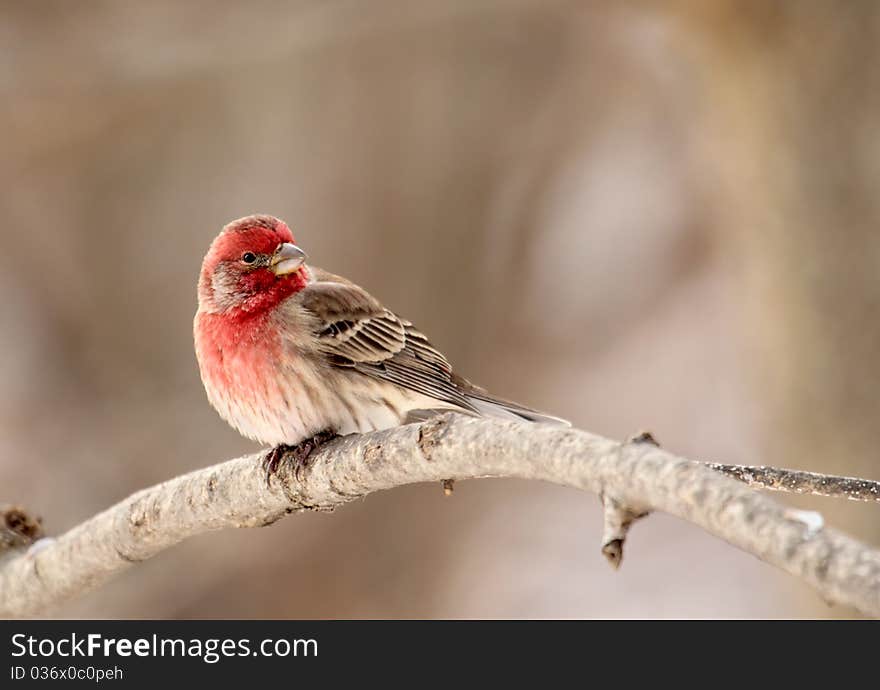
pixel 291 355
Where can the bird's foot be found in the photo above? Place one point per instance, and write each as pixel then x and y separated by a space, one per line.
pixel 299 455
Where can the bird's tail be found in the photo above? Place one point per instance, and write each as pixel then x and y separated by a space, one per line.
pixel 490 406
pixel 479 402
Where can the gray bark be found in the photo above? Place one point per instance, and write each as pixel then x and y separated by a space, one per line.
pixel 633 478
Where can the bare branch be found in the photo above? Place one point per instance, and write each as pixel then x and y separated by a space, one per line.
pixel 800 482
pixel 617 519
pixel 637 476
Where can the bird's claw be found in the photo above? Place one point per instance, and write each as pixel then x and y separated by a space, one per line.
pixel 272 460
pixel 299 455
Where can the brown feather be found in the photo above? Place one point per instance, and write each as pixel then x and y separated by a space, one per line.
pixel 354 331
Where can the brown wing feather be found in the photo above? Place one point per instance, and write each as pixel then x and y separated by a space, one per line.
pixel 355 331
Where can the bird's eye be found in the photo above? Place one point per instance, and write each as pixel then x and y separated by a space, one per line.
pixel 249 257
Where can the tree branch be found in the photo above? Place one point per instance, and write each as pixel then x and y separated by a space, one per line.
pixel 801 482
pixel 633 478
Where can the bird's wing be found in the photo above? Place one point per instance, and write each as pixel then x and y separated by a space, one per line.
pixel 355 331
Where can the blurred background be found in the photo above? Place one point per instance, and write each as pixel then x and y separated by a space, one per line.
pixel 632 217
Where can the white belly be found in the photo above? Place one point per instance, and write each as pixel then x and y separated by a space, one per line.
pixel 298 405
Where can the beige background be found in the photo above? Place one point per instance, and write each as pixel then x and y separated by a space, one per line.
pixel 631 217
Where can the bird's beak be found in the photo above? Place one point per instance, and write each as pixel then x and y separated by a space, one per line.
pixel 287 259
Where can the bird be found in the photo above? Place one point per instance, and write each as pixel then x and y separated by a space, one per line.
pixel 292 356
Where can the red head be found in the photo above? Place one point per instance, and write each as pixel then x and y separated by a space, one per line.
pixel 250 267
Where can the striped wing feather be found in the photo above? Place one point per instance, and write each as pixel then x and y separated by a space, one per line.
pixel 355 331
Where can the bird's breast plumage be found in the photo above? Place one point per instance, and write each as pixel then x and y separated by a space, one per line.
pixel 249 378
pixel 264 382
